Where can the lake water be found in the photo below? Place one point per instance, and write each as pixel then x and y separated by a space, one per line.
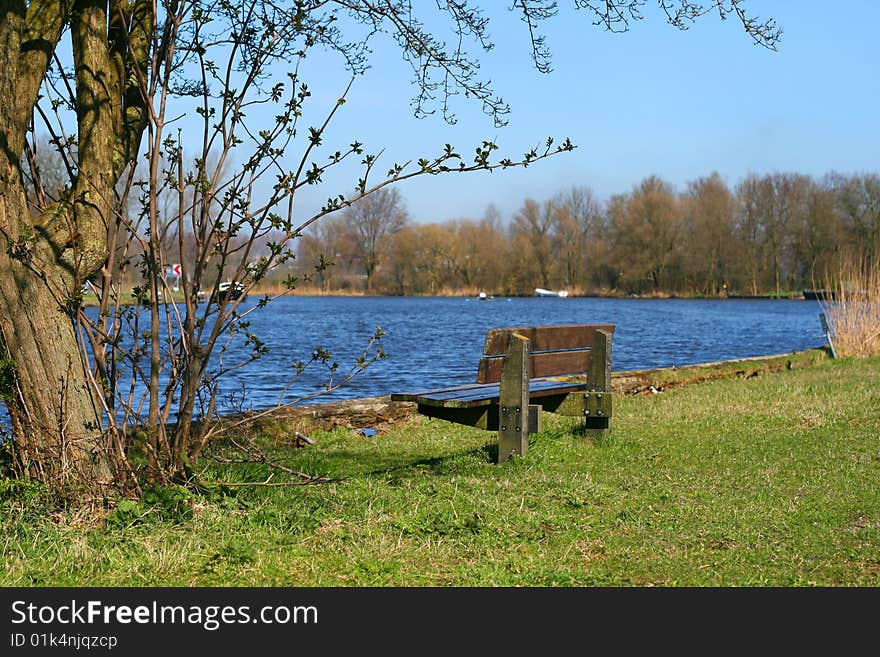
pixel 435 342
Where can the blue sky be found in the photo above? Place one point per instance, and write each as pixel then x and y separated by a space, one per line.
pixel 652 101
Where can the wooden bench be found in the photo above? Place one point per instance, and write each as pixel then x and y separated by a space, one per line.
pixel 563 369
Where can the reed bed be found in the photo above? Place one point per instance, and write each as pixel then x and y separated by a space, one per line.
pixel 852 309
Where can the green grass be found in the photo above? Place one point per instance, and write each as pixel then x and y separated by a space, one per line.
pixel 771 480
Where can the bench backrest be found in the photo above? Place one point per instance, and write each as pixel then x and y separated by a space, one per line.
pixel 565 349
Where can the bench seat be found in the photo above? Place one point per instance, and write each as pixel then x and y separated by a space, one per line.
pixel 484 394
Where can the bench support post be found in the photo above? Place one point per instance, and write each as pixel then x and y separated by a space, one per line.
pixel 600 381
pixel 513 411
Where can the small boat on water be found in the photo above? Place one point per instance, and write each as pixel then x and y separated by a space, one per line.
pixel 229 291
pixel 541 292
pixel 820 295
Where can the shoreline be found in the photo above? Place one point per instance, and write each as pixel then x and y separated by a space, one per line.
pixel 376 411
pixel 660 297
pixel 310 292
pixel 90 300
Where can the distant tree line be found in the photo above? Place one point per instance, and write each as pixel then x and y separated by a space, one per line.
pixel 769 234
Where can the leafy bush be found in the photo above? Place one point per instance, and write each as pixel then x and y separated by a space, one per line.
pixel 172 504
pixel 22 493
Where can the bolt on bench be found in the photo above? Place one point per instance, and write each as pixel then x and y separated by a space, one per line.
pixel 564 369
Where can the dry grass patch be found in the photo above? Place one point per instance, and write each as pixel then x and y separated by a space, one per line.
pixel 853 310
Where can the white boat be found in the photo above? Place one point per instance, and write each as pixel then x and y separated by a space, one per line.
pixel 229 291
pixel 541 292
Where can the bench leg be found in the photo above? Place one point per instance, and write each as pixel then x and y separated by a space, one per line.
pixel 600 380
pixel 513 411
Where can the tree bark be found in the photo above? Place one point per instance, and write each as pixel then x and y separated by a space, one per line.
pixel 46 253
pixel 57 433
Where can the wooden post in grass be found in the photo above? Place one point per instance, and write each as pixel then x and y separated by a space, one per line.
pixel 513 402
pixel 598 421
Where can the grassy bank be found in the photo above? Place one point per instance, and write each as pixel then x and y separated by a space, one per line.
pixel 763 480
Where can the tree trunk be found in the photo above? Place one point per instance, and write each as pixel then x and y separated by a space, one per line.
pixel 46 252
pixel 57 431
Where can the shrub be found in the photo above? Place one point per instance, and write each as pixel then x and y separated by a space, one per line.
pixel 170 504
